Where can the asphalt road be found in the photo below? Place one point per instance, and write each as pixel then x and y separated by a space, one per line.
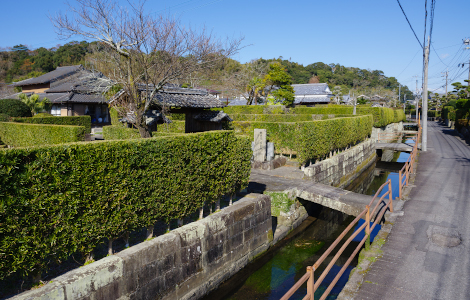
pixel 427 254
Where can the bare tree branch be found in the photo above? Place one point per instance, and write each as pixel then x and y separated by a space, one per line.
pixel 142 53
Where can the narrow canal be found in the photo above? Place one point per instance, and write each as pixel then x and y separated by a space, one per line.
pixel 272 275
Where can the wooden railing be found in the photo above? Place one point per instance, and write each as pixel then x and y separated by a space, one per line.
pixel 407 169
pixel 312 284
pixel 309 276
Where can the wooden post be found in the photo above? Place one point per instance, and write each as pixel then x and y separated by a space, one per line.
pixel 311 283
pixel 390 197
pixel 368 227
pixel 399 183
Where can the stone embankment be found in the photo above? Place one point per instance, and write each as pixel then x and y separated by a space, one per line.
pixel 185 263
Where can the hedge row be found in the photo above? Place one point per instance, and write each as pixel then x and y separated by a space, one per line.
pixel 311 140
pixel 119 132
pixel 60 200
pixel 382 115
pixel 282 117
pixel 26 135
pixel 173 127
pixel 448 112
pixel 84 121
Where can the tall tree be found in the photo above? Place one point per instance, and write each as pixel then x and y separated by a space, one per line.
pixel 145 52
pixel 278 84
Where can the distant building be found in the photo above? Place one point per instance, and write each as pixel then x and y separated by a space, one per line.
pixel 73 91
pixel 312 93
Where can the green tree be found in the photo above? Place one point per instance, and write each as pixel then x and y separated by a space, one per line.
pixel 34 104
pixel 255 90
pixel 278 84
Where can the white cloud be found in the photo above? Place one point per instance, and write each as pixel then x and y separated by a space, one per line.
pixel 444 55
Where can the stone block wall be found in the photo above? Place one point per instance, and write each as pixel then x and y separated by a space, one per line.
pixel 185 263
pixel 394 127
pixel 341 169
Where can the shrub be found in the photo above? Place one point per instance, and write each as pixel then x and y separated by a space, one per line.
pixel 114 115
pixel 173 127
pixel 84 121
pixel 58 200
pixel 311 140
pixel 382 115
pixel 26 135
pixel 448 113
pixel 14 108
pixel 399 115
pixel 433 113
pixel 4 118
pixel 43 115
pixel 462 109
pixel 119 132
pixel 272 118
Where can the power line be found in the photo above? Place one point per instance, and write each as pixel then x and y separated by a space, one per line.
pixel 409 24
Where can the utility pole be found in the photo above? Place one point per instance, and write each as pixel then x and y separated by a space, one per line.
pixel 355 102
pixel 467 42
pixel 399 94
pixel 446 75
pixel 424 111
pixel 416 99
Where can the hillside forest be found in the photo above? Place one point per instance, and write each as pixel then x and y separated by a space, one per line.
pixel 230 77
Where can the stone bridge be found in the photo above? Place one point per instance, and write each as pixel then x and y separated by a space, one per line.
pixel 287 179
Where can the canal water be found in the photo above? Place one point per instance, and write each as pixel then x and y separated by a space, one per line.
pixel 271 276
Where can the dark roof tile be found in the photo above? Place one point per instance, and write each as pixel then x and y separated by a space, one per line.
pixel 55 75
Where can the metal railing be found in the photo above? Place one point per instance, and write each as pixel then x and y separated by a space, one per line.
pixel 312 284
pixel 407 169
pixel 309 276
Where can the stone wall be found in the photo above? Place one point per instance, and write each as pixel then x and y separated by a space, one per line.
pixel 394 127
pixel 185 263
pixel 341 169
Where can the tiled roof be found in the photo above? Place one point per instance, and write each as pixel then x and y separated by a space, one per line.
pixel 55 75
pixel 186 98
pixel 312 99
pixel 311 89
pixel 72 97
pixel 212 116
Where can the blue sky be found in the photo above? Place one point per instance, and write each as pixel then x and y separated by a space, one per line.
pixel 361 33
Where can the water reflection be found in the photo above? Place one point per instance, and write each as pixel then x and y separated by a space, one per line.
pixel 274 278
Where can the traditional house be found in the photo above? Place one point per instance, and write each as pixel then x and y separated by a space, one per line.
pixel 312 93
pixel 194 103
pixel 73 91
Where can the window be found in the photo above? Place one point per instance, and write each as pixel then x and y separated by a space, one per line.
pixel 55 110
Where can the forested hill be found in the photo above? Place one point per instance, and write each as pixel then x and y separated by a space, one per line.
pixel 20 63
pixel 337 75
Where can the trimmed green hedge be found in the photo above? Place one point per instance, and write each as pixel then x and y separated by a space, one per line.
pixel 114 115
pixel 272 118
pixel 173 127
pixel 26 135
pixel 59 200
pixel 84 121
pixel 311 140
pixel 119 132
pixel 448 112
pixel 14 108
pixel 382 115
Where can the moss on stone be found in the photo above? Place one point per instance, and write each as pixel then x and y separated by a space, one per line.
pixel 280 202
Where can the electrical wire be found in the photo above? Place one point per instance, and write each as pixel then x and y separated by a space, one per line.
pixel 410 23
